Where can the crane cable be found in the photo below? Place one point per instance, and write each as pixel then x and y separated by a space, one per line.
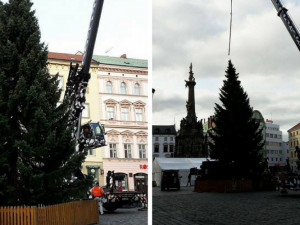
pixel 230 29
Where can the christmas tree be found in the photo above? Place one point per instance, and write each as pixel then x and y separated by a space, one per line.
pixel 236 138
pixel 37 153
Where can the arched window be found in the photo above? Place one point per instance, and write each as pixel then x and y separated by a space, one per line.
pixel 137 89
pixel 123 88
pixel 108 87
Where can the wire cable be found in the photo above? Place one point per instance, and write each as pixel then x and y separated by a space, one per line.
pixel 230 29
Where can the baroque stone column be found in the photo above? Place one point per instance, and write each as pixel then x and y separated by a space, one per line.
pixel 190 140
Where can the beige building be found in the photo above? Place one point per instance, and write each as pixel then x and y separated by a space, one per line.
pixel 294 140
pixel 60 63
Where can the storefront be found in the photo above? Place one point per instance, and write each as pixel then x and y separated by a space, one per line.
pixel 141 182
pixel 134 171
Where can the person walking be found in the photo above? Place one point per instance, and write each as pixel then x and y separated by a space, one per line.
pixel 97 193
pixel 189 180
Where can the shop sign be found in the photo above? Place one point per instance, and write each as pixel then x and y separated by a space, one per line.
pixel 143 167
pixel 269 121
pixel 141 177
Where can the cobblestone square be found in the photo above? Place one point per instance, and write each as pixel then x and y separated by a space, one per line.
pixel 249 208
pixel 124 216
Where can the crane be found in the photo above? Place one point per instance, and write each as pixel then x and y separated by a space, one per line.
pixel 288 22
pixel 91 134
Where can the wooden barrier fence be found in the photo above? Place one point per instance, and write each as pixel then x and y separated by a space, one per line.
pixel 73 213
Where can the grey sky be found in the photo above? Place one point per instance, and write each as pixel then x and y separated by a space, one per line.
pixel 262 52
pixel 123 26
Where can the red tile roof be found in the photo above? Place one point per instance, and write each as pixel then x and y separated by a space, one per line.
pixel 296 126
pixel 66 57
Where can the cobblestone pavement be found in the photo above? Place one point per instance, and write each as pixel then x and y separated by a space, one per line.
pixel 251 208
pixel 124 216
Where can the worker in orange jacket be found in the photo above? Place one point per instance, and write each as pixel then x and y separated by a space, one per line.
pixel 97 193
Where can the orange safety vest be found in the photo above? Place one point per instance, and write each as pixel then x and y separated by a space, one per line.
pixel 97 191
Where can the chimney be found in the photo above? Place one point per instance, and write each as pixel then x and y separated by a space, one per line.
pixel 123 56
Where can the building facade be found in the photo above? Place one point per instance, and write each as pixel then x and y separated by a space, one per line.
pixel 275 148
pixel 59 63
pixel 294 139
pixel 163 141
pixel 123 95
pixel 116 97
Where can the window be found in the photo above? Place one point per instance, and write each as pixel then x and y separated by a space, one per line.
pixel 109 87
pixel 137 89
pixel 60 82
pixel 91 152
pixel 271 135
pixel 267 134
pixel 123 88
pixel 142 151
pixel 165 148
pixel 110 113
pixel 93 171
pixel 171 138
pixel 85 111
pixel 113 150
pixel 165 138
pixel 156 148
pixel 156 138
pixel 127 149
pixel 139 114
pixel 171 148
pixel 125 114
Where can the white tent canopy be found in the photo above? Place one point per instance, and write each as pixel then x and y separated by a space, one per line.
pixel 181 164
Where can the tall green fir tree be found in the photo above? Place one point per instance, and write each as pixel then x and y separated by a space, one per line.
pixel 237 140
pixel 37 153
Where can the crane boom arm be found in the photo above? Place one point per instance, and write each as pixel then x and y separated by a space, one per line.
pixel 77 84
pixel 288 22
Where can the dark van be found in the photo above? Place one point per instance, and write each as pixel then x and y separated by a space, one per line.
pixel 170 179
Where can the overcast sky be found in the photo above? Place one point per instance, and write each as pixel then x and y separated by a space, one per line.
pixel 262 52
pixel 123 26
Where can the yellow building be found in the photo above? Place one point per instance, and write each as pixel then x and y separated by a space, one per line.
pixel 60 63
pixel 294 140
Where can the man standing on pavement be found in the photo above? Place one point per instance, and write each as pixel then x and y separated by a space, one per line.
pixel 97 193
pixel 189 180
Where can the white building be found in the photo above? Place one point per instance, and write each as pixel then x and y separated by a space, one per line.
pixel 123 91
pixel 275 147
pixel 163 140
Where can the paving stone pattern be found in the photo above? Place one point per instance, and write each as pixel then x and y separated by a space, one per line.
pixel 250 208
pixel 124 216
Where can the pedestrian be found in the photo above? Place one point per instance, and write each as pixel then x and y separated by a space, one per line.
pixel 97 193
pixel 189 180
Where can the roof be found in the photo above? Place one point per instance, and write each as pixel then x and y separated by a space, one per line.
pixel 163 129
pixel 120 61
pixel 66 57
pixel 294 127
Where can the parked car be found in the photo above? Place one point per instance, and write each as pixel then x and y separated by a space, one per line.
pixel 170 179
